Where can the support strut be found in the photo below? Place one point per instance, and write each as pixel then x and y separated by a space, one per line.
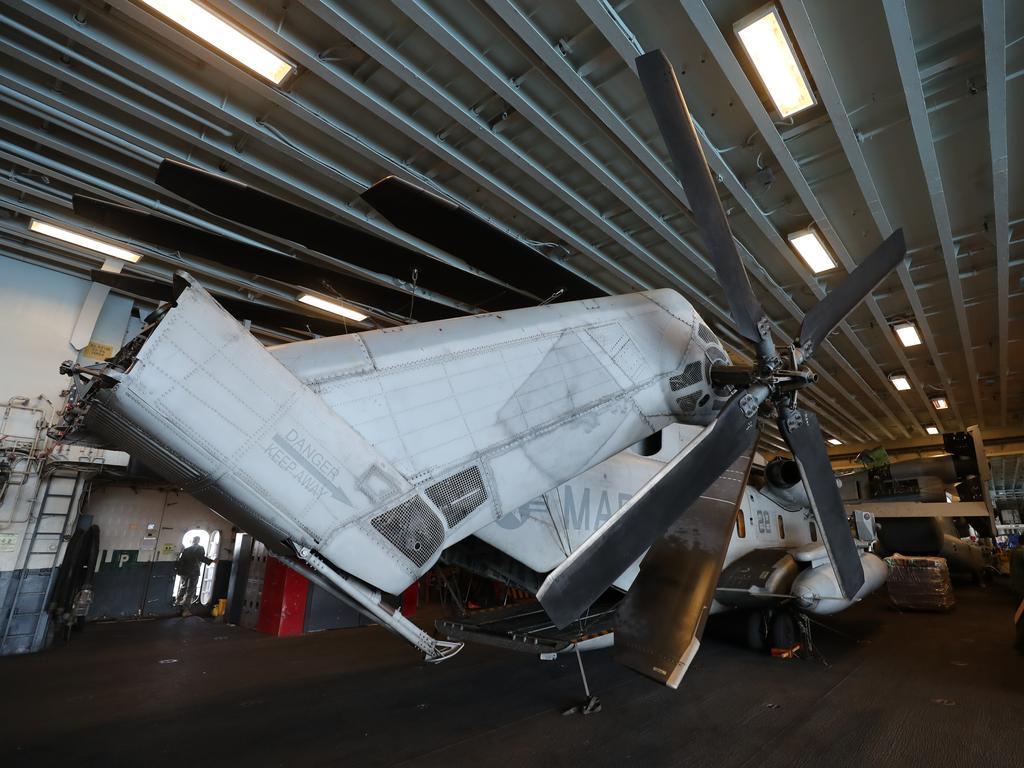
pixel 370 601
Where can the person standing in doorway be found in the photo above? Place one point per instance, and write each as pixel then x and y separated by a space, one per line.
pixel 189 562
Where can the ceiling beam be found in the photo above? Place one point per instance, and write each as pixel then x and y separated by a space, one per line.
pixel 809 45
pixel 224 146
pixel 84 177
pixel 910 77
pixel 622 40
pixel 500 83
pixel 556 62
pixel 998 441
pixel 136 144
pixel 723 54
pixel 994 27
pixel 391 59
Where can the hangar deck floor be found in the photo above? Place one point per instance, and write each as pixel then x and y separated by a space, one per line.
pixel 916 690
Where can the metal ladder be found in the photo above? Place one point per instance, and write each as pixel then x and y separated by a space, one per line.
pixel 30 601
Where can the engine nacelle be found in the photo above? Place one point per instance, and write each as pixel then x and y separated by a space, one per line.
pixel 817 590
pixel 783 484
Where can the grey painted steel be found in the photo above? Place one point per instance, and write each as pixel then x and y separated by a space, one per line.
pixel 557 61
pixel 726 59
pixel 23 601
pixel 214 141
pixel 807 40
pixel 994 26
pixel 241 560
pixel 27 619
pixel 910 77
pixel 393 60
pixel 617 32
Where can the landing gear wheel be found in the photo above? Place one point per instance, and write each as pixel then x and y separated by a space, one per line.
pixel 756 631
pixel 782 631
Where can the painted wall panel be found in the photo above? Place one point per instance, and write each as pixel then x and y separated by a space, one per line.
pixel 141 532
pixel 38 310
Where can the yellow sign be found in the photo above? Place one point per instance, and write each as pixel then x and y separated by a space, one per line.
pixel 96 351
pixel 168 548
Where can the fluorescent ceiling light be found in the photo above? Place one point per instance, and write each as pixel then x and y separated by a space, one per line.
pixel 939 403
pixel 835 441
pixel 330 306
pixel 908 334
pixel 224 37
pixel 765 40
pixel 82 241
pixel 932 430
pixel 901 382
pixel 808 244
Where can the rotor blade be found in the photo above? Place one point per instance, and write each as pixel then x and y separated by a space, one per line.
pixel 660 622
pixel 830 311
pixel 267 213
pixel 677 129
pixel 268 317
pixel 572 587
pixel 476 241
pixel 252 259
pixel 136 286
pixel 801 432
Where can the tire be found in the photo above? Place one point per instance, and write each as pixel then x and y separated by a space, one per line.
pixel 755 631
pixel 782 631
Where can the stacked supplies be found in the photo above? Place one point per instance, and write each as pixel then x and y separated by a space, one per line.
pixel 920 583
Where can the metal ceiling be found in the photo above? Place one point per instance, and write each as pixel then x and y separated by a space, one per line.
pixel 528 112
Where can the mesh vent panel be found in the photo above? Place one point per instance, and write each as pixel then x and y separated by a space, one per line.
pixel 688 404
pixel 706 335
pixel 458 495
pixel 412 528
pixel 691 375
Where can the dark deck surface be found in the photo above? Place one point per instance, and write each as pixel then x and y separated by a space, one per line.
pixel 910 690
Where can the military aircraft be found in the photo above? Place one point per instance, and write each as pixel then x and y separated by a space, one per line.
pixel 912 502
pixel 775 565
pixel 361 457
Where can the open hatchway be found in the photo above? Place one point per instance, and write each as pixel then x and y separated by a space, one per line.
pixel 199 590
pixel 143 531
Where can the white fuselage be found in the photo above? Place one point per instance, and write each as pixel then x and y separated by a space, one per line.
pixel 547 529
pixel 378 449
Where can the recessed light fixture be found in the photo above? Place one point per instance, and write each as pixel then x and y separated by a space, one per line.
pixel 932 430
pixel 764 38
pixel 332 307
pixel 939 403
pixel 227 39
pixel 835 441
pixel 908 334
pixel 900 381
pixel 82 241
pixel 808 244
